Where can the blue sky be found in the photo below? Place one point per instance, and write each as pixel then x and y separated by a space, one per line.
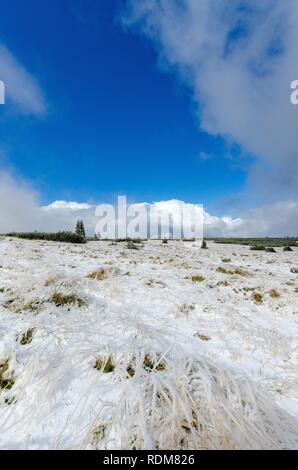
pixel 115 122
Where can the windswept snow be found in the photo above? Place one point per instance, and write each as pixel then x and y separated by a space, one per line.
pixel 194 364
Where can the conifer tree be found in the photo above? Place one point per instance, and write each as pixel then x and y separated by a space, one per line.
pixel 78 228
pixel 82 229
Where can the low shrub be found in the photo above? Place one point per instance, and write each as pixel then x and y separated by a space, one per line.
pixel 287 248
pixel 270 249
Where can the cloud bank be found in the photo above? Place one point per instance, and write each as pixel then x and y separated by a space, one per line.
pixel 21 87
pixel 20 210
pixel 238 59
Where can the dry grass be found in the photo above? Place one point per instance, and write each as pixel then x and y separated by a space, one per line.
pixel 7 378
pixel 150 363
pixel 274 294
pixel 61 300
pixel 197 278
pixel 27 337
pixel 99 275
pixel 203 337
pixel 257 297
pixel 238 271
pixel 105 365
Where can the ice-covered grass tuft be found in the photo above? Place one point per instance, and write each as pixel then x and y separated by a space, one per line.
pixel 194 404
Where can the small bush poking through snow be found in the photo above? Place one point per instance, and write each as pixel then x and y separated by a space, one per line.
pixel 270 249
pixel 131 245
pixel 294 270
pixel 287 248
pixel 226 260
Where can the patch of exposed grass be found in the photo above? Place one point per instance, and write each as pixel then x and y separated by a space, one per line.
pixel 187 308
pixel 238 271
pixel 258 248
pixel 203 337
pixel 99 275
pixel 7 378
pixel 150 364
pixel 257 297
pixel 223 283
pixel 197 278
pixel 98 433
pixel 294 270
pixel 226 260
pixel 27 337
pixel 106 366
pixel 10 400
pixel 153 282
pixel 61 300
pixel 274 294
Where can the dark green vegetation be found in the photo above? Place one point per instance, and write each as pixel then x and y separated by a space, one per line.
pixel 263 242
pixel 67 237
pixel 80 229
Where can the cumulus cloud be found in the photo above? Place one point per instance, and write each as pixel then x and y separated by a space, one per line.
pixel 21 210
pixel 21 87
pixel 238 58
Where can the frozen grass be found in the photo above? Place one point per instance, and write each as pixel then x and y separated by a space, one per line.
pixel 192 404
pixel 152 361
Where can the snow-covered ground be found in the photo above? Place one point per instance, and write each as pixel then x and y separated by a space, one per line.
pixel 182 361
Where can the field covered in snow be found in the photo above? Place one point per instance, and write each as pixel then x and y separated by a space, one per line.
pixel 166 347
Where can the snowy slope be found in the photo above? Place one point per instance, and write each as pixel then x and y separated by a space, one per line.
pixel 195 363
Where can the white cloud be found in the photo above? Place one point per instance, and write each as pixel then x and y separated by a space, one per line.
pixel 239 58
pixel 20 210
pixel 21 87
pixel 71 205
